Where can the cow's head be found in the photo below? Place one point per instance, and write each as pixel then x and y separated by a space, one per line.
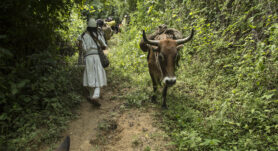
pixel 168 49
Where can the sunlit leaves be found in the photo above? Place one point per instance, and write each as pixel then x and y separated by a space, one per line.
pixel 229 69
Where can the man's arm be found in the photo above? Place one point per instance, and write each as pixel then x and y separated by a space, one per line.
pixel 80 52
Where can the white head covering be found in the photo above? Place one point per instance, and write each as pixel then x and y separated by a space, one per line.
pixel 92 22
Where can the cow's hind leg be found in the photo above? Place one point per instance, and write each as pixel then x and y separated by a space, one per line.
pixel 164 94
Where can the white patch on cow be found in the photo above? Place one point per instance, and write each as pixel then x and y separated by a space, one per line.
pixel 169 79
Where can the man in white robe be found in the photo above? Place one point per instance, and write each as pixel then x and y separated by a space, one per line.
pixel 94 74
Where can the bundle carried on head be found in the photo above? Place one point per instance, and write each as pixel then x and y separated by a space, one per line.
pixel 111 23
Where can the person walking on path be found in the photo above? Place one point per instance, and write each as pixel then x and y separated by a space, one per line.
pixel 94 74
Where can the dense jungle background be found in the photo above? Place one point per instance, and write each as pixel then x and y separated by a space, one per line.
pixel 226 95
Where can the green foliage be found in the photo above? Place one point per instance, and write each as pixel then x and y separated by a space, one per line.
pixel 39 85
pixel 128 65
pixel 225 97
pixel 148 148
pixel 226 94
pixel 112 8
pixel 35 109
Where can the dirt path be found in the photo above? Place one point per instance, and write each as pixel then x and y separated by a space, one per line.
pixel 114 127
pixel 85 127
pixel 137 131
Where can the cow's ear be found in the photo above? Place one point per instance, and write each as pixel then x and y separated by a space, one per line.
pixel 155 49
pixel 179 47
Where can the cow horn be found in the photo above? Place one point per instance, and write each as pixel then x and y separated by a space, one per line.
pixel 151 42
pixel 182 41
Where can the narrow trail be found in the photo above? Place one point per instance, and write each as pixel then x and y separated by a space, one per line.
pixel 84 128
pixel 113 127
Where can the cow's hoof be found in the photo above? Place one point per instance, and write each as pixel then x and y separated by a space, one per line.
pixel 164 107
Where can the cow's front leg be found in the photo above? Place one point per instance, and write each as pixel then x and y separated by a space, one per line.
pixel 164 94
pixel 154 94
pixel 154 90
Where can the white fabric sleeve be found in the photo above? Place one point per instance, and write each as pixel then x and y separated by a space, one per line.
pixel 101 39
pixel 79 38
pixel 83 43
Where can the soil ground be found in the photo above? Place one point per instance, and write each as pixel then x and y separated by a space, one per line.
pixel 114 127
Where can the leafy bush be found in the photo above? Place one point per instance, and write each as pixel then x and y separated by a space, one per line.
pixel 35 109
pixel 39 83
pixel 226 94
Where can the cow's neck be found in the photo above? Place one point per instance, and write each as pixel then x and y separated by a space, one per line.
pixel 156 54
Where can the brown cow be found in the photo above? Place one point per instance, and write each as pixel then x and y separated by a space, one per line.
pixel 162 60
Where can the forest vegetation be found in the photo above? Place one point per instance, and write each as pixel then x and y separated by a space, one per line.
pixel 226 96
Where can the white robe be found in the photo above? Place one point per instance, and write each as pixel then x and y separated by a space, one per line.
pixel 94 73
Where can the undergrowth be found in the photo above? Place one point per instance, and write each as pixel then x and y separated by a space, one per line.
pixel 39 84
pixel 226 94
pixel 43 110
